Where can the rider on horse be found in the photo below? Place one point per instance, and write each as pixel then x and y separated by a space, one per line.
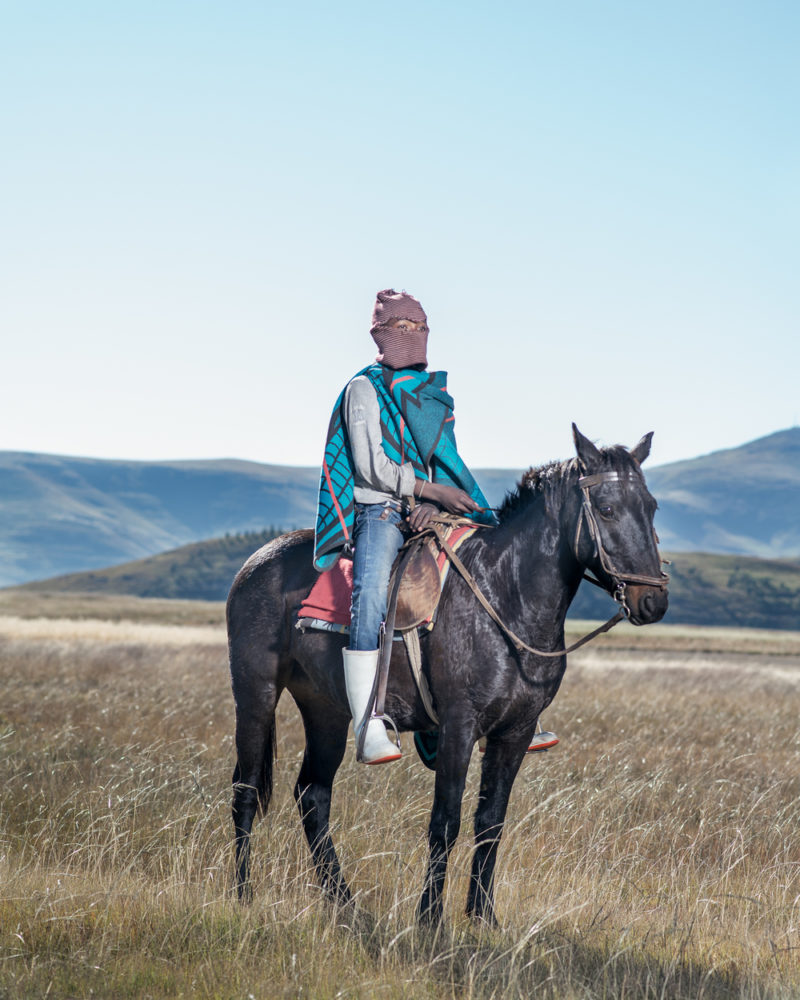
pixel 390 438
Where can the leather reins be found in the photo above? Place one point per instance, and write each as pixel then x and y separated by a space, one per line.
pixel 518 643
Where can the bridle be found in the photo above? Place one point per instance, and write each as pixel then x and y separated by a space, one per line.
pixel 618 579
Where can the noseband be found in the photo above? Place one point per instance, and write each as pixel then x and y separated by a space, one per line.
pixel 619 579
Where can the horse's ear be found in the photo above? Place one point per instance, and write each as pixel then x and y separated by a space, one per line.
pixel 642 449
pixel 588 456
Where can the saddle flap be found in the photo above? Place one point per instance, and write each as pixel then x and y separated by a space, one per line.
pixel 419 587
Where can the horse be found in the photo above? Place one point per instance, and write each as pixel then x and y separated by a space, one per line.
pixel 592 512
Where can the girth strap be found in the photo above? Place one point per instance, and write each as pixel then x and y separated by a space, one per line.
pixel 411 640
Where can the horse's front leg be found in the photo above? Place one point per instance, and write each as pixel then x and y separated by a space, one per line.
pixel 452 761
pixel 500 766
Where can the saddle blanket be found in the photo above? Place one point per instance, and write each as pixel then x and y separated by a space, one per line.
pixel 327 606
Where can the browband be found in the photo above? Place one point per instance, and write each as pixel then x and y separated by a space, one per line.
pixel 606 477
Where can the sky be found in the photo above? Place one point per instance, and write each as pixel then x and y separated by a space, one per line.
pixel 596 203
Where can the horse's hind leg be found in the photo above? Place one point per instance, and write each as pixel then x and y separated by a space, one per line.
pixel 252 777
pixel 326 738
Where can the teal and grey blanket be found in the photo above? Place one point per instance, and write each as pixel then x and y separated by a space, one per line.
pixel 417 423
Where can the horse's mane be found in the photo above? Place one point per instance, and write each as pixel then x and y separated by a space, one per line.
pixel 552 480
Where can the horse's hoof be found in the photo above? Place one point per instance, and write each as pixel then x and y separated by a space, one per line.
pixel 429 916
pixel 244 893
pixel 337 892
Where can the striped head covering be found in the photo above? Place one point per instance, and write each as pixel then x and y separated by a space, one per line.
pixel 399 348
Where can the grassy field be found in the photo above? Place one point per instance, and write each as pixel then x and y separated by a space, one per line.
pixel 110 607
pixel 654 853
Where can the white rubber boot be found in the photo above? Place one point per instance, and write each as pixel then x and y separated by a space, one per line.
pixel 359 676
pixel 540 740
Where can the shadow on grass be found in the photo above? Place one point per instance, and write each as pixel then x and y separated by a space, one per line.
pixel 478 962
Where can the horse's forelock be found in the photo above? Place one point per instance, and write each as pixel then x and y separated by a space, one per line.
pixel 619 459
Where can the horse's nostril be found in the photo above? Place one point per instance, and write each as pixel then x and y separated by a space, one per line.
pixel 652 606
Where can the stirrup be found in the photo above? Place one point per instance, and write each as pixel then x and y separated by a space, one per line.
pixel 395 753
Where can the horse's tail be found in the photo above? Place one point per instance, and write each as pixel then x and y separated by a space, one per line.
pixel 264 773
pixel 254 680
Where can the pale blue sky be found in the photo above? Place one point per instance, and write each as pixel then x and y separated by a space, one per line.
pixel 597 204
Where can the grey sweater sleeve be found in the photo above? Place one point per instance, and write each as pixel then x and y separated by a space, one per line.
pixel 376 475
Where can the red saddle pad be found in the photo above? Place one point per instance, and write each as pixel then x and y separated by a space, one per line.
pixel 329 600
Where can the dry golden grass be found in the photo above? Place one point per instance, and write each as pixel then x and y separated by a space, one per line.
pixel 692 638
pixel 654 853
pixel 114 632
pixel 109 607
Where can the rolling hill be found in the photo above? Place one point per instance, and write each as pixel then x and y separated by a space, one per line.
pixel 60 514
pixel 741 500
pixel 200 571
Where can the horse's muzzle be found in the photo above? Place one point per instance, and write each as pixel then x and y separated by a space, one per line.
pixel 646 604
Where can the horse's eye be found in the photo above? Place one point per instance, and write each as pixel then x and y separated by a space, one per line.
pixel 607 512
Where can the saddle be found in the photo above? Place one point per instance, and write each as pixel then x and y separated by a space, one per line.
pixel 423 566
pixel 414 563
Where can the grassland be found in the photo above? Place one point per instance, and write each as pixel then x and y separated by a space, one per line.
pixel 654 853
pixel 110 607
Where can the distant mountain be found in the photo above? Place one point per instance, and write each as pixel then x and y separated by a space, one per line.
pixel 60 514
pixel 704 589
pixel 741 500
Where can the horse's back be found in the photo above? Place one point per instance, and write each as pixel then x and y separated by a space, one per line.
pixel 287 554
pixel 270 583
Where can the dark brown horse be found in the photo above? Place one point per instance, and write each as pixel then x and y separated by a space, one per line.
pixel 593 512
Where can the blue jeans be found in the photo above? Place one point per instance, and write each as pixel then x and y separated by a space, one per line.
pixel 376 541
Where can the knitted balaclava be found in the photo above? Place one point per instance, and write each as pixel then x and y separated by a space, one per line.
pixel 399 348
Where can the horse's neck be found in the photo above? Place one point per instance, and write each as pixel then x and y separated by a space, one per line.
pixel 535 570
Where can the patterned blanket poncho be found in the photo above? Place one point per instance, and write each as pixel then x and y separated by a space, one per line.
pixel 417 424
